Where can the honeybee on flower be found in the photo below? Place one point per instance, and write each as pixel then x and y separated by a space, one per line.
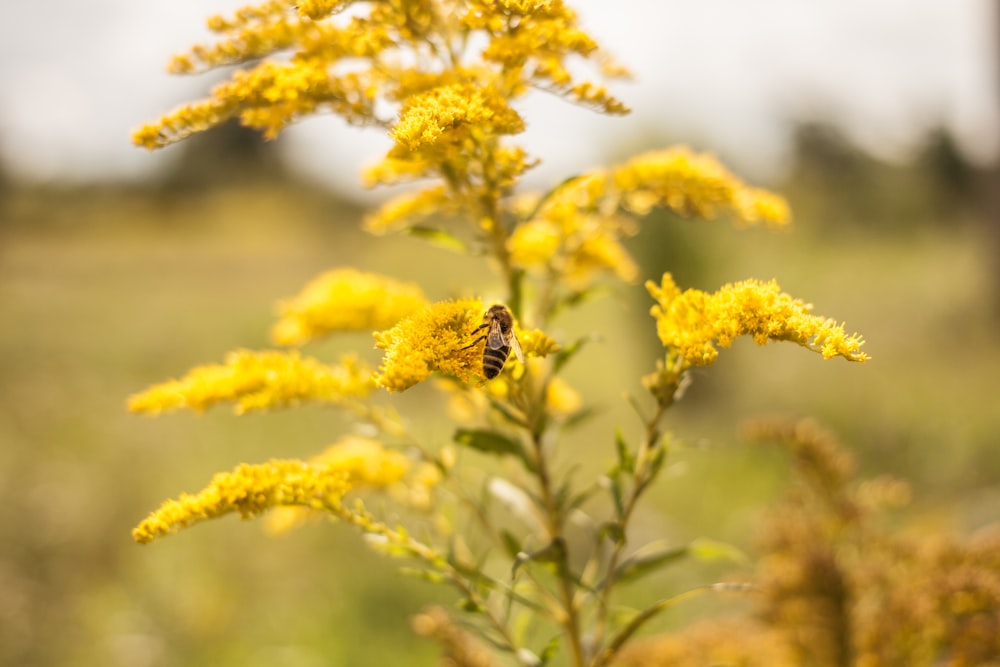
pixel 500 340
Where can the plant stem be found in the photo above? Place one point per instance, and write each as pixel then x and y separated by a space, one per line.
pixel 641 479
pixel 571 624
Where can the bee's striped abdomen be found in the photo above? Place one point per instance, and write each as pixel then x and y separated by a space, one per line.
pixel 493 361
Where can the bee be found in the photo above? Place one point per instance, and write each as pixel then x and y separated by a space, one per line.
pixel 500 340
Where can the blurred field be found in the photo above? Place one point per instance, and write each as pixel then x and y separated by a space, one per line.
pixel 104 291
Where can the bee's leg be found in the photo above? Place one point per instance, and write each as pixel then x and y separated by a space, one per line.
pixel 473 343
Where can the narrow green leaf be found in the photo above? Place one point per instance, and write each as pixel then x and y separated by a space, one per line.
pixel 626 460
pixel 615 489
pixel 712 550
pixel 511 544
pixel 562 357
pixel 426 575
pixel 439 237
pixel 613 531
pixel 468 605
pixel 549 651
pixel 649 559
pixel 489 442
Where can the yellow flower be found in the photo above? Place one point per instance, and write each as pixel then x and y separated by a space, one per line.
pixel 534 243
pixel 258 380
pixel 407 209
pixel 536 343
pixel 364 462
pixel 693 185
pixel 345 300
pixel 250 490
pixel 431 340
pixel 448 113
pixel 561 398
pixel 693 322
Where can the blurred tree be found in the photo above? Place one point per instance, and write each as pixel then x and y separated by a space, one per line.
pixel 231 154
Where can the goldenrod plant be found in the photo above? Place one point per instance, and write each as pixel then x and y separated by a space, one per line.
pixel 837 585
pixel 444 78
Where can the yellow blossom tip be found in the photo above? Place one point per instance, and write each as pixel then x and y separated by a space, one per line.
pixel 250 490
pixel 431 340
pixel 259 380
pixel 345 300
pixel 693 323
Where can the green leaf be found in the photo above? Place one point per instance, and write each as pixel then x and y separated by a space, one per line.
pixel 489 442
pixel 426 575
pixel 615 489
pixel 439 237
pixel 511 544
pixel 626 460
pixel 562 357
pixel 549 651
pixel 468 605
pixel 613 530
pixel 648 559
pixel 712 550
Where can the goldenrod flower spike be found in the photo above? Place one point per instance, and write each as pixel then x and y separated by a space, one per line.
pixel 259 380
pixel 692 323
pixel 431 341
pixel 364 460
pixel 345 300
pixel 693 185
pixel 446 115
pixel 250 490
pixel 366 463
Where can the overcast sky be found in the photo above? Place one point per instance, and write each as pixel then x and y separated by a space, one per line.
pixel 728 75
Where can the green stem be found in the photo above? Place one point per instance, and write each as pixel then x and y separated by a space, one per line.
pixel 642 478
pixel 571 624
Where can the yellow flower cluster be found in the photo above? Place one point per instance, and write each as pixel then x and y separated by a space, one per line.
pixel 258 380
pixel 447 114
pixel 366 463
pixel 531 40
pixel 431 341
pixel 536 343
pixel 692 185
pixel 345 300
pixel 576 230
pixel 692 323
pixel 347 63
pixel 408 209
pixel 250 490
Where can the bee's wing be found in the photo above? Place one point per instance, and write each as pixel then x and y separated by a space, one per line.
pixel 495 338
pixel 514 345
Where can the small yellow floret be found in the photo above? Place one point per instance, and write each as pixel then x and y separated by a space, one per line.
pixel 345 300
pixel 431 340
pixel 427 118
pixel 693 323
pixel 250 490
pixel 536 343
pixel 258 380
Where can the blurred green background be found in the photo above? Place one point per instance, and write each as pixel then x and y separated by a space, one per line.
pixel 106 289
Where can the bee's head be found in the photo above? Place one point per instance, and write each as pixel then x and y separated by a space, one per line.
pixel 500 314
